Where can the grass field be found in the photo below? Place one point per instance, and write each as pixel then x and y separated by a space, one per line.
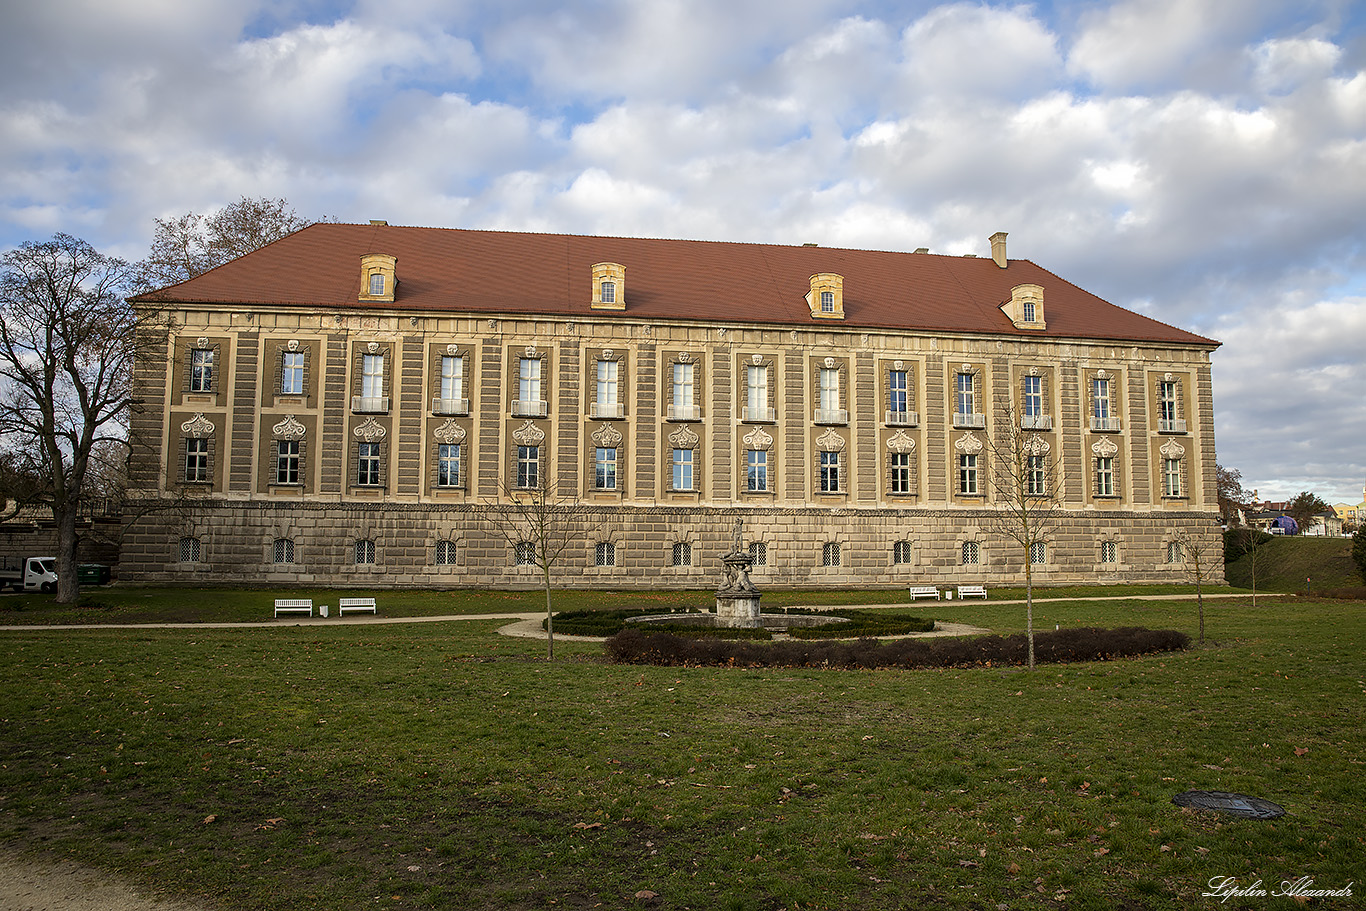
pixel 444 766
pixel 1287 562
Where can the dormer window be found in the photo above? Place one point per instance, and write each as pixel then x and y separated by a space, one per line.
pixel 1025 307
pixel 826 297
pixel 377 275
pixel 609 286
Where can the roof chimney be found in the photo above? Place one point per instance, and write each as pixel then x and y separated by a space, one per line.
pixel 998 248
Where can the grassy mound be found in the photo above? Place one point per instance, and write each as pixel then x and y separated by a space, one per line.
pixel 633 646
pixel 1283 564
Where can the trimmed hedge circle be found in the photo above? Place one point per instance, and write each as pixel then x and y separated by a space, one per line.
pixel 635 646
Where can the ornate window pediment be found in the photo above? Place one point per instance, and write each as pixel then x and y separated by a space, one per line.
pixel 1172 450
pixel 1105 448
pixel 371 431
pixel 758 439
pixel 830 441
pixel 683 438
pixel 528 435
pixel 607 436
pixel 198 426
pixel 449 432
pixel 900 443
pixel 289 429
pixel 968 444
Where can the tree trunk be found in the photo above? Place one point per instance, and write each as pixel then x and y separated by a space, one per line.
pixel 1029 603
pixel 1200 600
pixel 68 586
pixel 549 618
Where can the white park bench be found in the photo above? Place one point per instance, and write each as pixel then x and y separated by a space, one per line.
pixel 924 591
pixel 355 605
pixel 293 606
pixel 972 591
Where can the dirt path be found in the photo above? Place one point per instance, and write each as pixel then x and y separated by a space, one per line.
pixel 30 884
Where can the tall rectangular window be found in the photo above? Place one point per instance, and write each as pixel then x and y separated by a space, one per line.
pixel 756 404
pixel 448 465
pixel 1036 476
pixel 1171 477
pixel 607 382
pixel 196 459
pixel 529 380
pixel 292 373
pixel 287 462
pixel 372 376
pixel 896 391
pixel 683 462
pixel 827 301
pixel 830 389
pixel 528 466
pixel 1033 396
pixel 376 284
pixel 452 377
pixel 965 397
pixel 1105 476
pixel 830 472
pixel 967 474
pixel 609 292
pixel 201 370
pixel 756 470
pixel 1166 402
pixel 684 395
pixel 899 465
pixel 605 468
pixel 1100 401
pixel 367 464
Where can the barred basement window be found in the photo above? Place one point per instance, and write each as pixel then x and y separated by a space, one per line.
pixel 284 550
pixel 189 550
pixel 901 552
pixel 445 553
pixel 604 554
pixel 1109 552
pixel 972 553
pixel 1174 552
pixel 1038 552
pixel 525 553
pixel 682 554
pixel 830 554
pixel 758 553
pixel 365 552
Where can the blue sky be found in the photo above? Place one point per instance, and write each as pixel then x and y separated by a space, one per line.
pixel 1201 161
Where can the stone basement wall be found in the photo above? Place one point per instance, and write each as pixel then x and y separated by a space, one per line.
pixel 237 542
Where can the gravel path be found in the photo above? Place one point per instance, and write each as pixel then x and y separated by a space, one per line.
pixel 30 884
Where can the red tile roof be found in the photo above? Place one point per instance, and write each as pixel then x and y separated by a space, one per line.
pixel 491 272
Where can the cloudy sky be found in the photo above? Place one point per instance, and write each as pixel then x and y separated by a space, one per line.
pixel 1201 161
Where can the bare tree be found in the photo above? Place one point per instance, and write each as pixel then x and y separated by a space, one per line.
pixel 539 526
pixel 67 342
pixel 1197 559
pixel 1026 480
pixel 193 244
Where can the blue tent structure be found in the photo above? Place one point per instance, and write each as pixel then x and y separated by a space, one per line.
pixel 1288 525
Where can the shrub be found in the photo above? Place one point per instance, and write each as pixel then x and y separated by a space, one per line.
pixel 863 623
pixel 1359 551
pixel 633 646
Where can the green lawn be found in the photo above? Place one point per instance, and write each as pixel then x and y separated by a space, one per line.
pixel 443 766
pixel 1286 562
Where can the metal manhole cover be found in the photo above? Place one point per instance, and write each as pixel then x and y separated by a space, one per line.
pixel 1233 804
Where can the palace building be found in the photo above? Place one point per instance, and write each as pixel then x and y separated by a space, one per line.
pixel 346 405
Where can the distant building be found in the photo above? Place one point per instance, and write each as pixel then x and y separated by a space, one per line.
pixel 340 406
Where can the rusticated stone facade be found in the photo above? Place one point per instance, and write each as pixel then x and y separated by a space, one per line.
pixel 364 442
